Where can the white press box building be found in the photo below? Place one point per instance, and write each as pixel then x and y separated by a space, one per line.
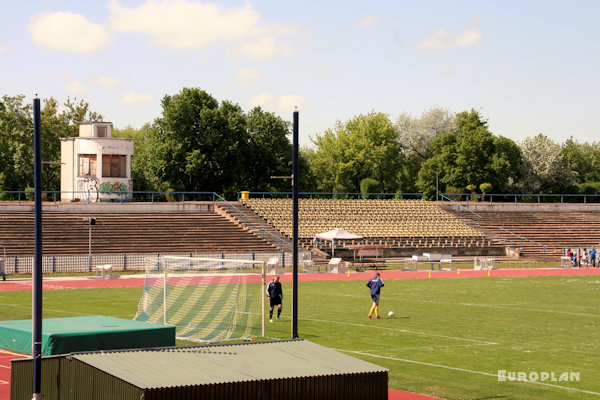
pixel 95 166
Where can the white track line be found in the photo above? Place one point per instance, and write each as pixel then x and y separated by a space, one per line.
pixel 400 330
pixel 468 370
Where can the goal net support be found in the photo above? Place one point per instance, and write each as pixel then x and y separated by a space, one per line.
pixel 206 299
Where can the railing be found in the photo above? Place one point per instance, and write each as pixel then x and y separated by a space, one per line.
pixel 501 229
pixel 230 206
pixel 525 197
pixel 333 196
pixel 125 262
pixel 123 197
pixel 460 207
pixel 281 240
pixel 263 230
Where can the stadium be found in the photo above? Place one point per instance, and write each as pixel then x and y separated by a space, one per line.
pixel 503 299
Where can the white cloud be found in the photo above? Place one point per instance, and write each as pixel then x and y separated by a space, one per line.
pixel 107 82
pixel 288 103
pixel 183 24
pixel 133 98
pixel 263 48
pixel 367 22
pixel 2 48
pixel 246 76
pixel 76 88
pixel 441 39
pixel 264 100
pixel 283 104
pixel 66 31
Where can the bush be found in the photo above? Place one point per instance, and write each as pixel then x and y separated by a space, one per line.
pixel 453 189
pixel 589 188
pixel 29 195
pixel 369 185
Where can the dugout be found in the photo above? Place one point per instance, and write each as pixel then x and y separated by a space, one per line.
pixel 292 369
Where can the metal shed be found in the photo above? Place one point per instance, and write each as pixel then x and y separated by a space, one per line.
pixel 295 369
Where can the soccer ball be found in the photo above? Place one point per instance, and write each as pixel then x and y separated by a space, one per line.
pixel 391 314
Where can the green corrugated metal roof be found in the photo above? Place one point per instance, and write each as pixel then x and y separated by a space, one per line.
pixel 200 365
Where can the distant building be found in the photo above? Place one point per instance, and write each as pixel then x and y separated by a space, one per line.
pixel 95 166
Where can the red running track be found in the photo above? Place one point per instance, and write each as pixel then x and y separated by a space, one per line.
pixel 137 281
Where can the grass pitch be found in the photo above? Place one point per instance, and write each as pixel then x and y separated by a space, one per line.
pixel 449 337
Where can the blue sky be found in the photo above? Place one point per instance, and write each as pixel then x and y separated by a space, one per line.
pixel 529 67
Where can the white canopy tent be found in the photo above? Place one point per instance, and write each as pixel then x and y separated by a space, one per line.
pixel 336 234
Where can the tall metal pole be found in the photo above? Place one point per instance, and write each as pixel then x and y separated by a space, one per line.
pixel 295 182
pixel 37 268
pixel 90 245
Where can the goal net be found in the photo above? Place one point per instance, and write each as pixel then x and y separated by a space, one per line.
pixel 206 299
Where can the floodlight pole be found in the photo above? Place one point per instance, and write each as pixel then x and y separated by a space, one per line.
pixel 295 182
pixel 37 268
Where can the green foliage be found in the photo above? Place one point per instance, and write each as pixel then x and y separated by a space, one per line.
pixel 16 140
pixel 457 190
pixel 485 187
pixel 582 158
pixel 473 155
pixel 471 188
pixel 589 188
pixel 362 147
pixel 201 145
pixel 544 169
pixel 369 185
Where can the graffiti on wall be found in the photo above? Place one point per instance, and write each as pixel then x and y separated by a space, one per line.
pixel 112 187
pixel 87 187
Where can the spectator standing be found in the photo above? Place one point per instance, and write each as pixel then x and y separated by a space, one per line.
pixel 593 256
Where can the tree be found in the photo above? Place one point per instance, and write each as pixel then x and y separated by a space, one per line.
pixel 57 123
pixel 270 151
pixel 416 134
pixel 471 156
pixel 16 143
pixel 16 140
pixel 544 169
pixel 365 146
pixel 583 158
pixel 199 144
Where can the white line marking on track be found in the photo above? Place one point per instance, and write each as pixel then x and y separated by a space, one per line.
pixel 400 330
pixel 467 370
pixel 4 366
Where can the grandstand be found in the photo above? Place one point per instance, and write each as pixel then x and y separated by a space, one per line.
pixel 395 224
pixel 67 233
pixel 535 228
pixel 401 227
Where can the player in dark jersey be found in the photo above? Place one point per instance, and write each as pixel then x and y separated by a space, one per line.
pixel 275 296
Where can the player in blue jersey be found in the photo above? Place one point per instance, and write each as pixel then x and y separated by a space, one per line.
pixel 375 284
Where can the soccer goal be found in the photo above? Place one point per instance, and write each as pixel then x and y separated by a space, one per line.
pixel 206 299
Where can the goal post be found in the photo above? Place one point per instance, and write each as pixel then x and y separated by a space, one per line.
pixel 206 299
